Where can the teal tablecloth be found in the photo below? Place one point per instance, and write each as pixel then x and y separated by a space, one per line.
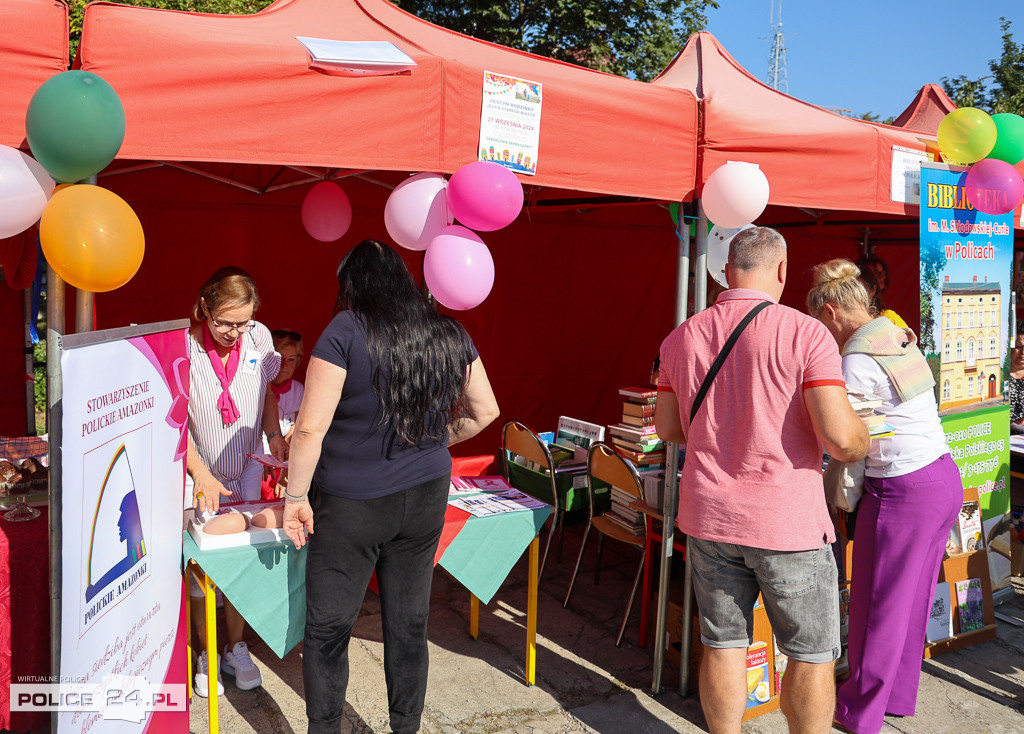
pixel 267 583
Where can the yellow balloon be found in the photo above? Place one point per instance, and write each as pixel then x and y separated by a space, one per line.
pixel 91 238
pixel 966 135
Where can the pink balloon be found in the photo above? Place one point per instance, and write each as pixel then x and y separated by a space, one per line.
pixel 458 268
pixel 417 210
pixel 735 194
pixel 485 196
pixel 993 186
pixel 326 212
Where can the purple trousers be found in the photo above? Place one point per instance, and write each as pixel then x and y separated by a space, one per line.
pixel 902 527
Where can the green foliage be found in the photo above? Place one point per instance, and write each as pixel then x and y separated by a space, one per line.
pixel 1003 90
pixel 39 386
pixel 636 38
pixel 933 260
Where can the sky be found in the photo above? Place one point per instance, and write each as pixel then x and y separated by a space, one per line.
pixel 867 55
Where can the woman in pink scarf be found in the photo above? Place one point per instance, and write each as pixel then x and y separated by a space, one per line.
pixel 231 407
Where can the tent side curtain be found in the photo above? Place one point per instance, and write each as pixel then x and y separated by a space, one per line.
pixel 33 47
pixel 209 88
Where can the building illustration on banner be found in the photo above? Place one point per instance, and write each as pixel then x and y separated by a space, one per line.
pixel 115 555
pixel 971 365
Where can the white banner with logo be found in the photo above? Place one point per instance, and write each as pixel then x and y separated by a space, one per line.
pixel 125 415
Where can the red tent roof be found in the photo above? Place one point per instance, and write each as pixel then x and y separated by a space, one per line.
pixel 33 47
pixel 811 157
pixel 927 110
pixel 238 89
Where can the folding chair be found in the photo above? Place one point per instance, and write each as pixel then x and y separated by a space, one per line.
pixel 518 440
pixel 605 464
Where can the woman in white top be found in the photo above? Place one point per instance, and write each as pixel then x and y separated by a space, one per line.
pixel 230 407
pixel 912 495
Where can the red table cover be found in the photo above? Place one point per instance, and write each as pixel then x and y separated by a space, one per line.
pixel 24 615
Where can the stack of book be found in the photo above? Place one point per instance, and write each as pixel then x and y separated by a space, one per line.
pixel 865 405
pixel 622 515
pixel 635 436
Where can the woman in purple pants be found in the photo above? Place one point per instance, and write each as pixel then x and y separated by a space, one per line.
pixel 912 495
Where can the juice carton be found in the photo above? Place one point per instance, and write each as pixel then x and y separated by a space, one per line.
pixel 758 680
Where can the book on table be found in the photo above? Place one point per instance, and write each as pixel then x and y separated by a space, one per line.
pixel 639 447
pixel 572 433
pixel 640 394
pixel 969 602
pixel 633 433
pixel 638 421
pixel 638 409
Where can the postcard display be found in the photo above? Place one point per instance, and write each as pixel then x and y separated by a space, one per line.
pixel 966 327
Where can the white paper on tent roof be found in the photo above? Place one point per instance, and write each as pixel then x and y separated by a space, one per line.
pixel 356 58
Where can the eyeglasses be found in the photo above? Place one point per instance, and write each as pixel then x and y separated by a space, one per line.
pixel 285 334
pixel 225 327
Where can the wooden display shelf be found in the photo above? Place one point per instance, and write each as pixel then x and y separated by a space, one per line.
pixel 960 641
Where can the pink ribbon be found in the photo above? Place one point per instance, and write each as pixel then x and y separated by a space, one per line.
pixel 225 373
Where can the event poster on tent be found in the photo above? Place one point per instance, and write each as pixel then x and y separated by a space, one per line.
pixel 510 122
pixel 966 325
pixel 125 418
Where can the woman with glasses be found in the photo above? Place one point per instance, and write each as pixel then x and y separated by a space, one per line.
pixel 390 386
pixel 231 406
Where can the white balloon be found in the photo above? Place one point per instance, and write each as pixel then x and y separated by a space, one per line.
pixel 417 210
pixel 735 194
pixel 718 250
pixel 25 188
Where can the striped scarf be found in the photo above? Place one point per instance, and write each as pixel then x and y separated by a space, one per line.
pixel 895 350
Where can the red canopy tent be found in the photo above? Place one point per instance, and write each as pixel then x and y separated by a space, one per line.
pixel 926 111
pixel 33 47
pixel 830 176
pixel 585 284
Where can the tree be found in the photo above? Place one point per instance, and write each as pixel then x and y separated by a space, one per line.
pixel 1003 89
pixel 636 38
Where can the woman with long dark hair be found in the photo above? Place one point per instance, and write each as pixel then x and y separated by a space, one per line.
pixel 390 385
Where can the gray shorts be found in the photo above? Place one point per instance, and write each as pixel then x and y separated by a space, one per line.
pixel 800 590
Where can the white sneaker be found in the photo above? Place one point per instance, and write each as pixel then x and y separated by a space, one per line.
pixel 202 681
pixel 238 663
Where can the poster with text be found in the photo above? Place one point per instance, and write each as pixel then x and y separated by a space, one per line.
pixel 966 261
pixel 125 414
pixel 510 122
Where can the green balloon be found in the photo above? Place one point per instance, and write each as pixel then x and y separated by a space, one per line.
pixel 1009 138
pixel 74 125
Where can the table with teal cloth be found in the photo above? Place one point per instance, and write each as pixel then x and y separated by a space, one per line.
pixel 267 582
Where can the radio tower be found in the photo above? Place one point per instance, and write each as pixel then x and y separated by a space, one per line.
pixel 777 78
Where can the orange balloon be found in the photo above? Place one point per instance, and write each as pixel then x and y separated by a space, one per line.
pixel 91 238
pixel 59 187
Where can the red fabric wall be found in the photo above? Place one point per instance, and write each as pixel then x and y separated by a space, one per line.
pixel 581 299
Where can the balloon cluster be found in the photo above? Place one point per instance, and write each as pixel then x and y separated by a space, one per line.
pixel 90 236
pixel 419 214
pixel 734 196
pixel 991 146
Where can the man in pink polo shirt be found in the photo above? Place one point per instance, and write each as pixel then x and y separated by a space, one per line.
pixel 751 497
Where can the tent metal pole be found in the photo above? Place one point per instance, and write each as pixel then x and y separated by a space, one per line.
pixel 85 301
pixel 55 329
pixel 700 264
pixel 670 498
pixel 30 366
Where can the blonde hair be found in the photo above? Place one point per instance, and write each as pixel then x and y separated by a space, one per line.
pixel 228 287
pixel 837 282
pixel 280 342
pixel 755 248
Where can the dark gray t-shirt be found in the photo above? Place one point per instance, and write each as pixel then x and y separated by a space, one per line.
pixel 362 459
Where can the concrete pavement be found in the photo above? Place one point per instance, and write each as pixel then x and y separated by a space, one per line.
pixel 584 683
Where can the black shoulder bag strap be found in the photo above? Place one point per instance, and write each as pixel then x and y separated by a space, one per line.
pixel 720 359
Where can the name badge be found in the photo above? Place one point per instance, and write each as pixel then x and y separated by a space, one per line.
pixel 252 361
